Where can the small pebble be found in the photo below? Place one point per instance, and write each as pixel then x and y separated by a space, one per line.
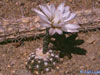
pixel 25 20
pixel 13 71
pixel 82 67
pixel 8 66
pixel 32 61
pixel 25 54
pixel 3 55
pixel 57 68
pixel 25 63
pixel 66 72
pixel 36 72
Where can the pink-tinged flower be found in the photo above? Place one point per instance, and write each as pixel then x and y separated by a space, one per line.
pixel 56 18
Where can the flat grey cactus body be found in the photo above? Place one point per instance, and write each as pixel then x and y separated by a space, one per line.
pixel 39 62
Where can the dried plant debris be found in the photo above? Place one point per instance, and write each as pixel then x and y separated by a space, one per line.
pixel 41 63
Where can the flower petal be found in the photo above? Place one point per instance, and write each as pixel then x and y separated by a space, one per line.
pixel 44 19
pixel 58 31
pixel 57 17
pixel 45 10
pixel 51 31
pixel 69 30
pixel 72 15
pixel 66 9
pixel 72 26
pixel 61 24
pixel 51 8
pixel 38 12
pixel 61 8
pixel 41 15
pixel 66 15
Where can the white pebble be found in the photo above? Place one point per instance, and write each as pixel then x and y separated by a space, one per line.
pixel 32 53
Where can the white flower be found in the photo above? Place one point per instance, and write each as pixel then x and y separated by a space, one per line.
pixel 56 19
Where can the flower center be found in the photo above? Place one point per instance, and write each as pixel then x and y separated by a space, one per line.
pixel 55 26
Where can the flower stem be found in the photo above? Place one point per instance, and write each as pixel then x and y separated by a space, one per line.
pixel 46 41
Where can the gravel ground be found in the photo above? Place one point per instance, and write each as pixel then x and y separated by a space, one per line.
pixel 82 54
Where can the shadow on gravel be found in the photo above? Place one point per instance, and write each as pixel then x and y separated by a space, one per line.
pixel 68 46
